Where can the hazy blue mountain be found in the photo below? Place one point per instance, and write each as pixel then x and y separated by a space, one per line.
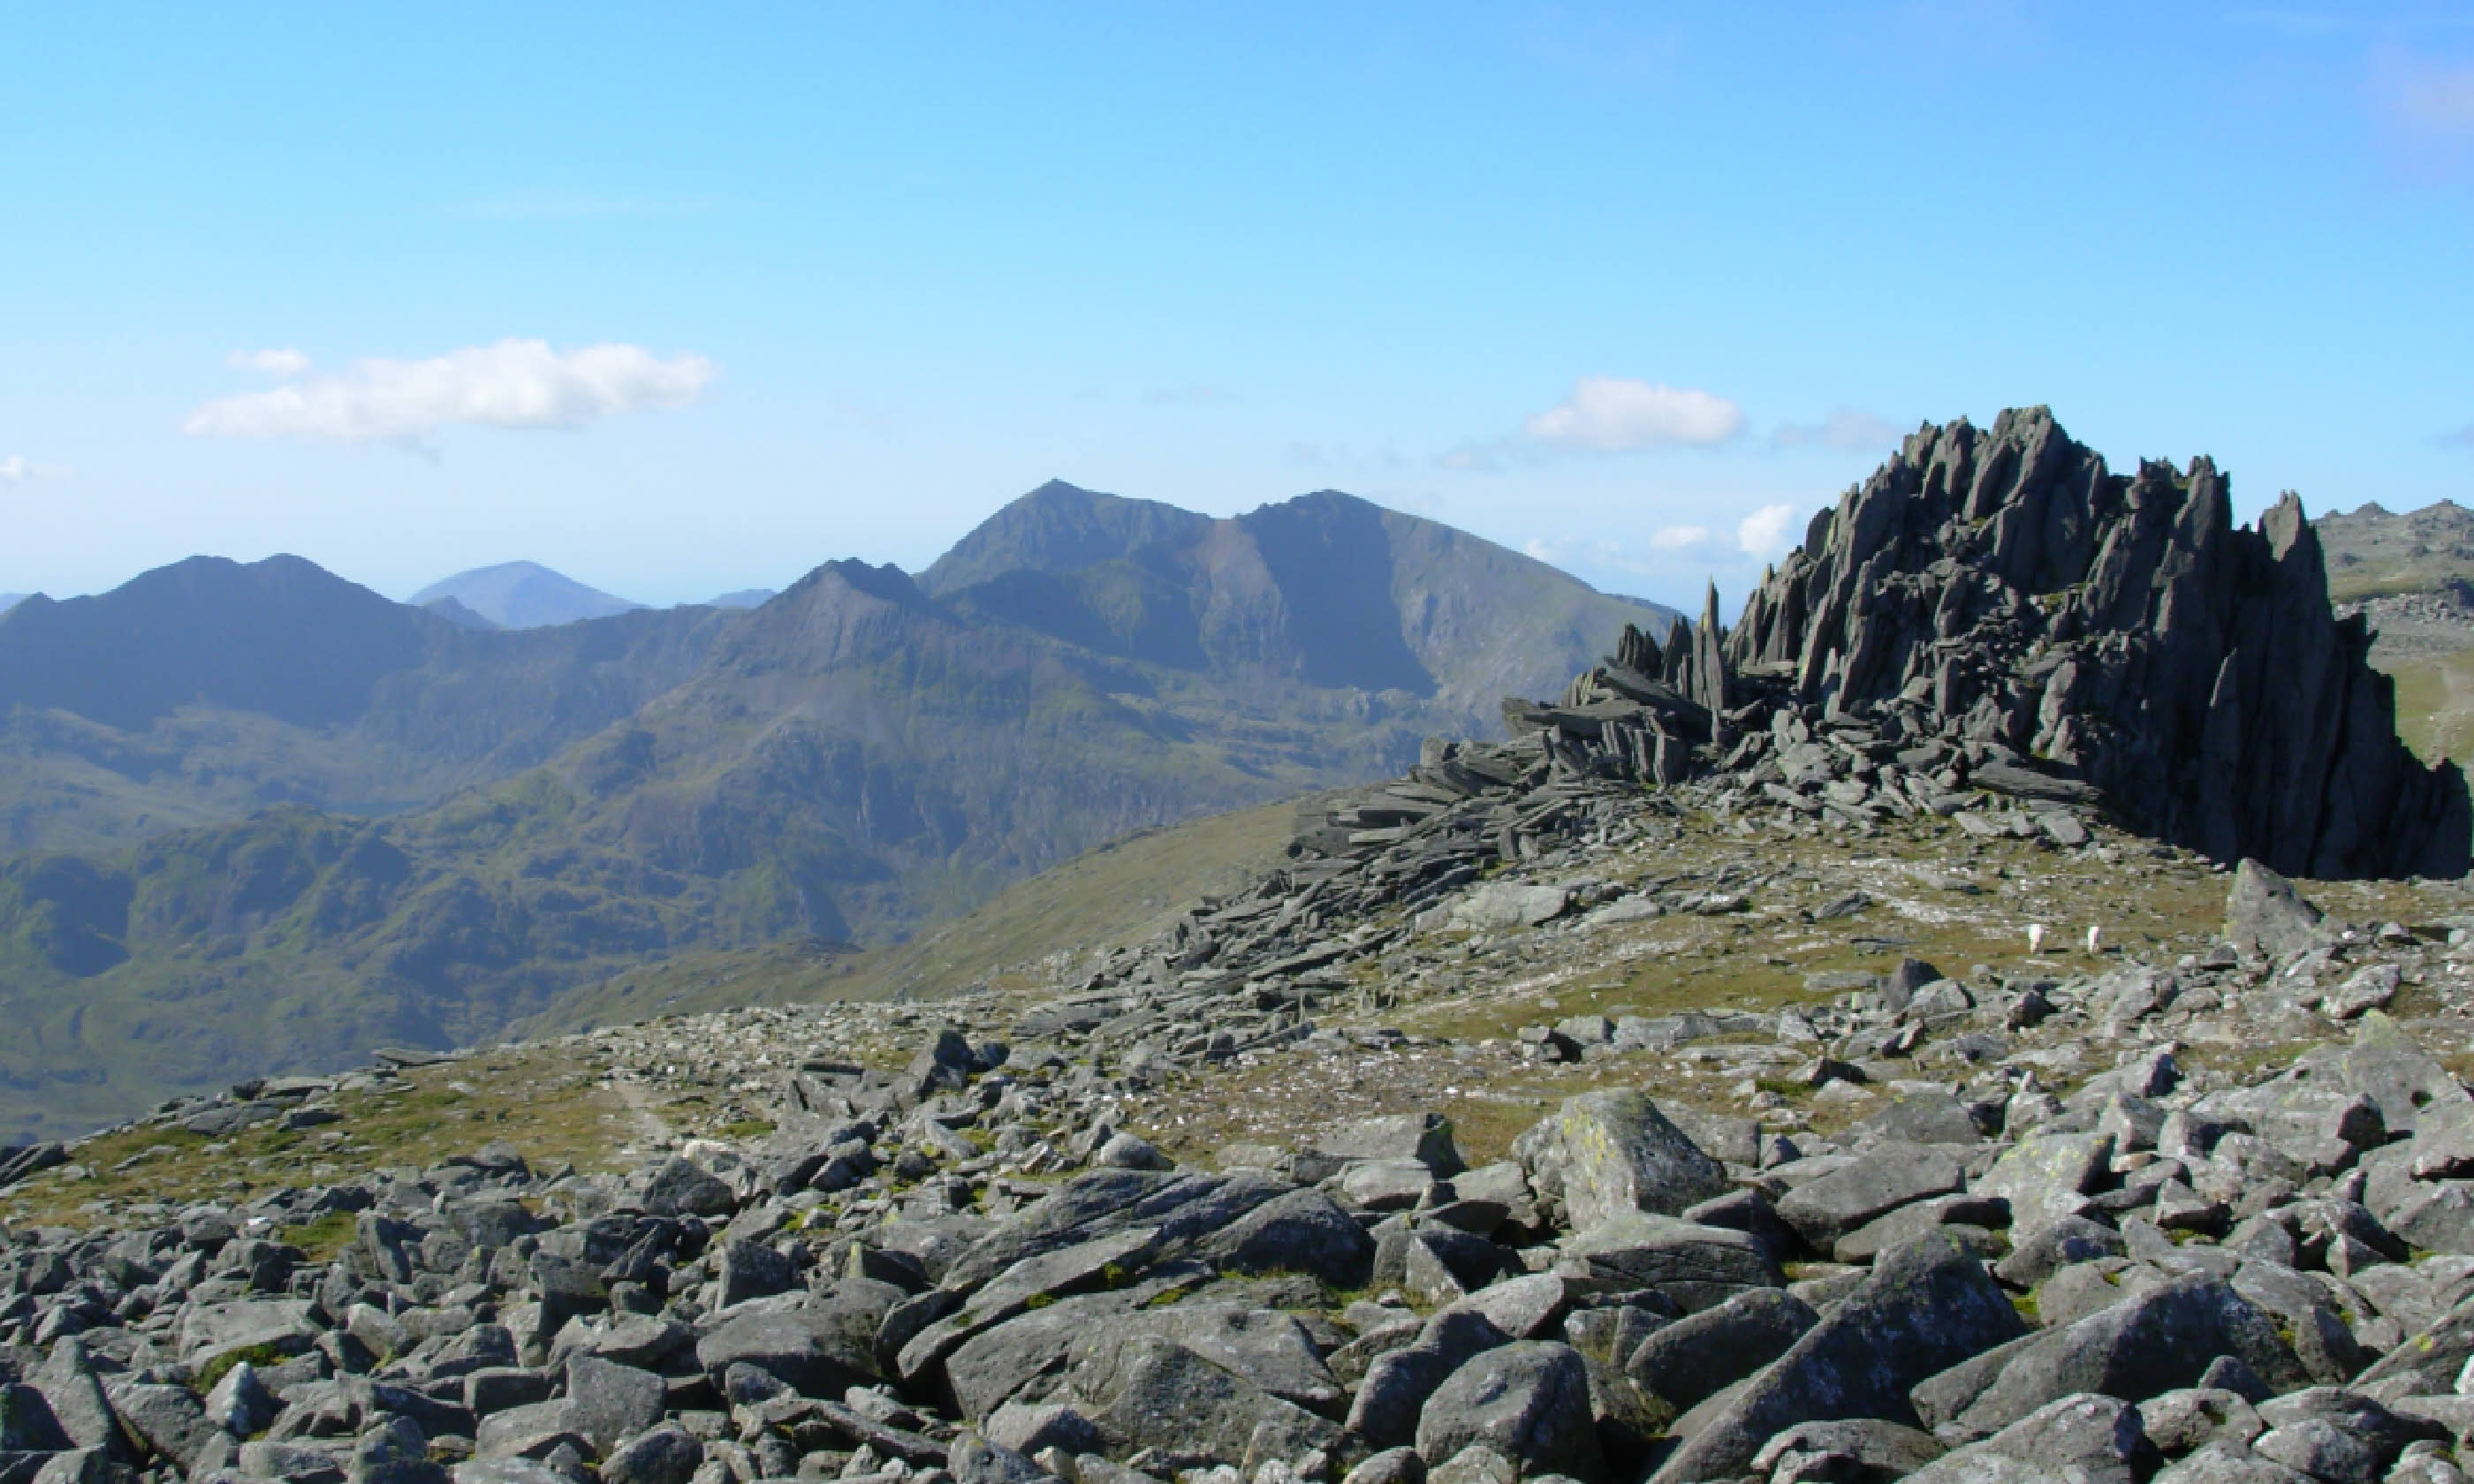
pixel 10 600
pixel 203 691
pixel 456 614
pixel 523 596
pixel 744 597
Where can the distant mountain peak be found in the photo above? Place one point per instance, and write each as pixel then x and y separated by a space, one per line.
pixel 523 596
pixel 1059 528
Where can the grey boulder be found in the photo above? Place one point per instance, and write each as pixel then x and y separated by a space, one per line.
pixel 1609 1154
pixel 1528 1400
pixel 1892 1175
pixel 1927 1305
pixel 2155 1342
pixel 2094 1439
pixel 1702 1353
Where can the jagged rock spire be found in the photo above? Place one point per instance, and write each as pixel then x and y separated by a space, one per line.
pixel 2006 589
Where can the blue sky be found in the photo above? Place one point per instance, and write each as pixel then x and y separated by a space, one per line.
pixel 683 299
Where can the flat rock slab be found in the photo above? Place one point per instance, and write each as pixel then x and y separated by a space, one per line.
pixel 1892 1175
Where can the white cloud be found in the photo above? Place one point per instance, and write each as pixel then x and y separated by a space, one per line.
pixel 19 469
pixel 513 384
pixel 1764 530
pixel 1616 413
pixel 274 363
pixel 1678 537
pixel 1844 428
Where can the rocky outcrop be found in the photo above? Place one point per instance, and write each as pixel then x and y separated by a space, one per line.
pixel 2008 592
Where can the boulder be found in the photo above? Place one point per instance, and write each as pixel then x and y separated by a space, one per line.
pixel 814 1353
pixel 1700 1354
pixel 663 1456
pixel 1611 1153
pixel 677 1187
pixel 2266 916
pixel 607 1401
pixel 2228 1463
pixel 2153 1342
pixel 1892 1175
pixel 1265 1347
pixel 1425 1137
pixel 1528 1400
pixel 1384 1412
pixel 1925 1308
pixel 1862 1449
pixel 1695 1266
pixel 170 1421
pixel 1301 1231
pixel 1155 1393
pixel 2098 1440
pixel 2044 1177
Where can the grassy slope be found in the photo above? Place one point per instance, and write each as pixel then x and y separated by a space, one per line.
pixel 1121 893
pixel 2435 703
pixel 2374 554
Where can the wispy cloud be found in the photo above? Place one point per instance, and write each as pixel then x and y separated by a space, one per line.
pixel 2462 438
pixel 16 470
pixel 273 363
pixel 2425 110
pixel 2430 99
pixel 19 469
pixel 512 384
pixel 1845 428
pixel 1678 537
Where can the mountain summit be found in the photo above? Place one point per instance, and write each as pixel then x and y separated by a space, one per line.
pixel 1326 589
pixel 523 596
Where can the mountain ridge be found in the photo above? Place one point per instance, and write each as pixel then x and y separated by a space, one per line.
pixel 852 760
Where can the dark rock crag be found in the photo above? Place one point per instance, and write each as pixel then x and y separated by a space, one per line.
pixel 2005 595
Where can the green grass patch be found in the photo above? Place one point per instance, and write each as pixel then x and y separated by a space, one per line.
pixel 322 1239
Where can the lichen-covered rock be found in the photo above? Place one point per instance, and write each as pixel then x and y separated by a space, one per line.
pixel 1611 1153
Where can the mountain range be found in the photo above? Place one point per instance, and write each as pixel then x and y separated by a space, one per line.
pixel 266 818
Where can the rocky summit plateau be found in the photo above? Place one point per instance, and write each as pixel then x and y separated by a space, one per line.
pixel 2000 1012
